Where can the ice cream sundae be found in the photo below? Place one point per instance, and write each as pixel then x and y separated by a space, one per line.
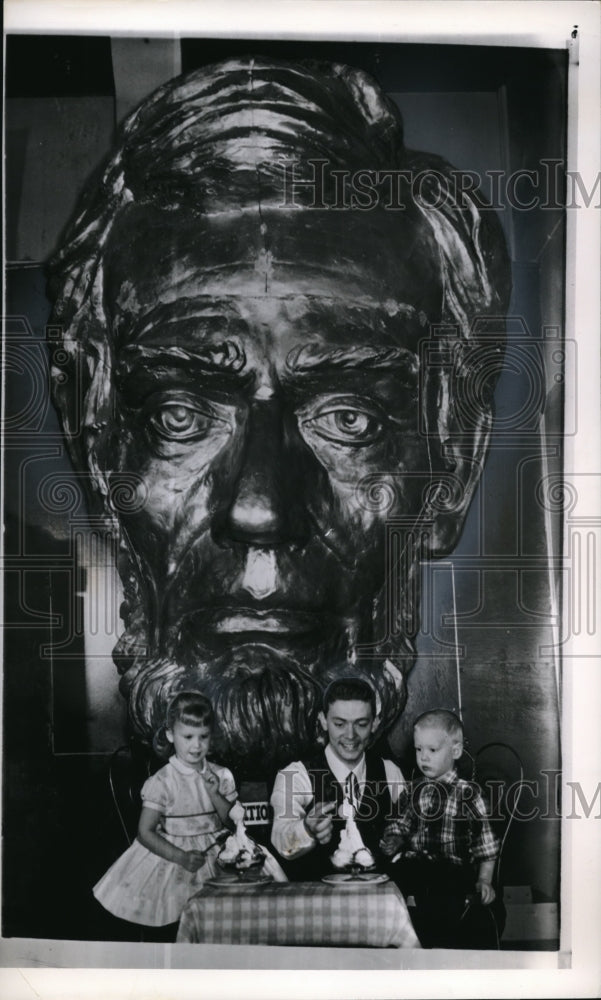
pixel 351 852
pixel 239 853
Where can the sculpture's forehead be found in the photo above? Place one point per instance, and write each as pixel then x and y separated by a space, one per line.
pixel 388 252
pixel 288 266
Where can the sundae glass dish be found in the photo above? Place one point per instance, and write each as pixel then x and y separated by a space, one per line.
pixel 351 855
pixel 239 854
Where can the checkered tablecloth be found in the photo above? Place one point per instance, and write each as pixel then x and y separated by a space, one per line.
pixel 299 913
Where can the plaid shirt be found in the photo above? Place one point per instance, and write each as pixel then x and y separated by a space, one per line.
pixel 446 818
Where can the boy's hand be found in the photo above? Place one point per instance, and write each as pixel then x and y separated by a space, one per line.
pixel 486 892
pixel 193 860
pixel 391 844
pixel 318 822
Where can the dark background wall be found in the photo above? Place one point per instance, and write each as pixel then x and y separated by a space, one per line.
pixel 491 634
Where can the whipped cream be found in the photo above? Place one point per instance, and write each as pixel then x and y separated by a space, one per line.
pixel 239 850
pixel 351 850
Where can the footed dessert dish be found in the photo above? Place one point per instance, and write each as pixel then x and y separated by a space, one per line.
pixel 239 854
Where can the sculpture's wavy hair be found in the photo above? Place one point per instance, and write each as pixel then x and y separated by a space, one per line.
pixel 196 142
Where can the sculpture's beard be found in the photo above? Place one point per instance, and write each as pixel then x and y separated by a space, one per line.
pixel 266 705
pixel 266 695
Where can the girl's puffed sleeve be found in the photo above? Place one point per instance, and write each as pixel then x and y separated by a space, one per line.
pixel 155 793
pixel 227 785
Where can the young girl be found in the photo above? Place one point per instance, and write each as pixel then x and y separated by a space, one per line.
pixel 185 806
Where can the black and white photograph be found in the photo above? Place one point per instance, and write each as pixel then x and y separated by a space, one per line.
pixel 300 442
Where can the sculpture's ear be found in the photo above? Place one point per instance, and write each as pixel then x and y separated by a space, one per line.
pixel 83 396
pixel 458 427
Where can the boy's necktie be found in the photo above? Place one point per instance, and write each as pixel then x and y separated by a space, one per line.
pixel 352 789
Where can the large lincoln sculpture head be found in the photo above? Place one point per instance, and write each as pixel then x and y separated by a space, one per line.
pixel 282 330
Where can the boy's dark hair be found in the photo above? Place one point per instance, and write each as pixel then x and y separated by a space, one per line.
pixel 349 689
pixel 442 718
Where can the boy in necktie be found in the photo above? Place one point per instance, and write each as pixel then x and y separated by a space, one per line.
pixel 309 796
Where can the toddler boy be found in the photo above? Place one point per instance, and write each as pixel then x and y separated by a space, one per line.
pixel 441 843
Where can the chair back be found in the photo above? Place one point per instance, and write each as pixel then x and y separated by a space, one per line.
pixel 499 772
pixel 129 767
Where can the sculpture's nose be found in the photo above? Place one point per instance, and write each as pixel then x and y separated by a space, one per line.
pixel 265 505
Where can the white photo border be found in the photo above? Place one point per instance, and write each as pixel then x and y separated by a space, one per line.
pixel 575 969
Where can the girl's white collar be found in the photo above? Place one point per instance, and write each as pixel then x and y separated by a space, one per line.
pixel 185 768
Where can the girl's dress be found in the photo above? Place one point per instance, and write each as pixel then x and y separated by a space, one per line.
pixel 145 888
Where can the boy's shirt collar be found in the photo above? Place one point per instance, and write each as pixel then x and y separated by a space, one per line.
pixel 450 777
pixel 340 769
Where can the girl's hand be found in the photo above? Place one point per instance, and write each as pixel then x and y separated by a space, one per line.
pixel 193 860
pixel 220 804
pixel 211 780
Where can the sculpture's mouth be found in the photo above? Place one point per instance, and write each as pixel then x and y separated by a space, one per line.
pixel 228 626
pixel 276 621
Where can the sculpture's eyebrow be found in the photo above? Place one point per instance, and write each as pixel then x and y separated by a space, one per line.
pixel 227 357
pixel 313 359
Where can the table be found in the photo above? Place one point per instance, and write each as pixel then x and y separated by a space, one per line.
pixel 299 913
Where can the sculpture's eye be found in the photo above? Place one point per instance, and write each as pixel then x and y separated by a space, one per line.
pixel 345 424
pixel 181 421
